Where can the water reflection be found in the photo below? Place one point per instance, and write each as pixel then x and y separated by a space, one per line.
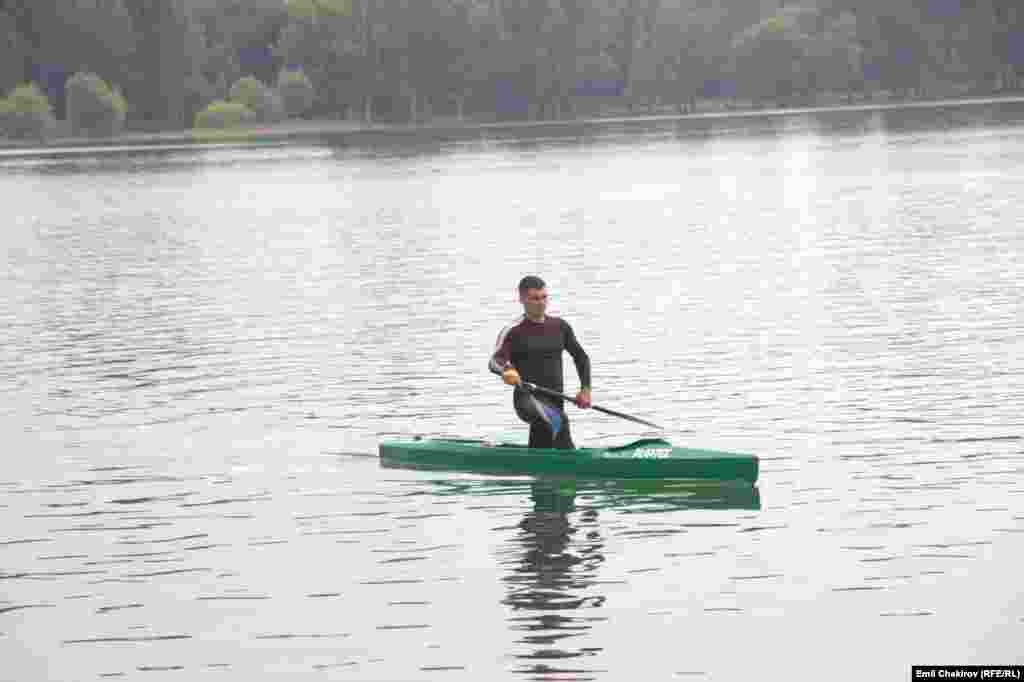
pixel 550 569
pixel 553 563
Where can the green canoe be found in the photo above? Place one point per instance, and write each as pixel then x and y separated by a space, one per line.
pixel 648 458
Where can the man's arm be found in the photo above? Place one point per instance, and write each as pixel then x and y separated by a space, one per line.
pixel 501 358
pixel 579 357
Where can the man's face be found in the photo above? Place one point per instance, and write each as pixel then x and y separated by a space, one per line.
pixel 535 301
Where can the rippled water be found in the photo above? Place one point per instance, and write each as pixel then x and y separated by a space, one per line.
pixel 201 348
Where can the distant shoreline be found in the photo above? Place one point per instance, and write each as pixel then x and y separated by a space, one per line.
pixel 299 129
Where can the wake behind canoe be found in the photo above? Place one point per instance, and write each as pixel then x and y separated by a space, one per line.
pixel 649 458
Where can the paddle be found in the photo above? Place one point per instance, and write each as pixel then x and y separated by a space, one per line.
pixel 555 394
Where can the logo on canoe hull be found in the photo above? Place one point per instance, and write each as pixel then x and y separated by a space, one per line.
pixel 651 453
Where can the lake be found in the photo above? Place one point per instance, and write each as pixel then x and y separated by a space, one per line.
pixel 201 347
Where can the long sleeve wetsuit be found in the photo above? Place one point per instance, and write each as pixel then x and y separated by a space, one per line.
pixel 535 349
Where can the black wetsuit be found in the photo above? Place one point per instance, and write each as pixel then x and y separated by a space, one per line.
pixel 535 350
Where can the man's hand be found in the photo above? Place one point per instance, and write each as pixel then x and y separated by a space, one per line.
pixel 583 398
pixel 511 377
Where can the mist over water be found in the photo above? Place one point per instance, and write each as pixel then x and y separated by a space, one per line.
pixel 200 349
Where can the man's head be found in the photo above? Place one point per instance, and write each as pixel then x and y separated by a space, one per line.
pixel 533 294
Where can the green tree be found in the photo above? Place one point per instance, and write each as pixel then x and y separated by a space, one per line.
pixel 156 83
pixel 426 52
pixel 201 84
pixel 770 56
pixel 66 36
pixel 475 39
pixel 94 107
pixel 15 50
pixel 976 44
pixel 26 113
pixel 264 102
pixel 315 10
pixel 296 92
pixel 240 35
pixel 835 56
pixel 407 58
pixel 327 50
pixel 221 115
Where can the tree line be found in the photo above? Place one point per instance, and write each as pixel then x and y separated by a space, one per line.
pixel 410 60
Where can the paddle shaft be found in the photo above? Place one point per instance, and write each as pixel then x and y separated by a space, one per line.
pixel 555 394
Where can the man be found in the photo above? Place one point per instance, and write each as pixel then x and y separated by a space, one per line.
pixel 530 349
